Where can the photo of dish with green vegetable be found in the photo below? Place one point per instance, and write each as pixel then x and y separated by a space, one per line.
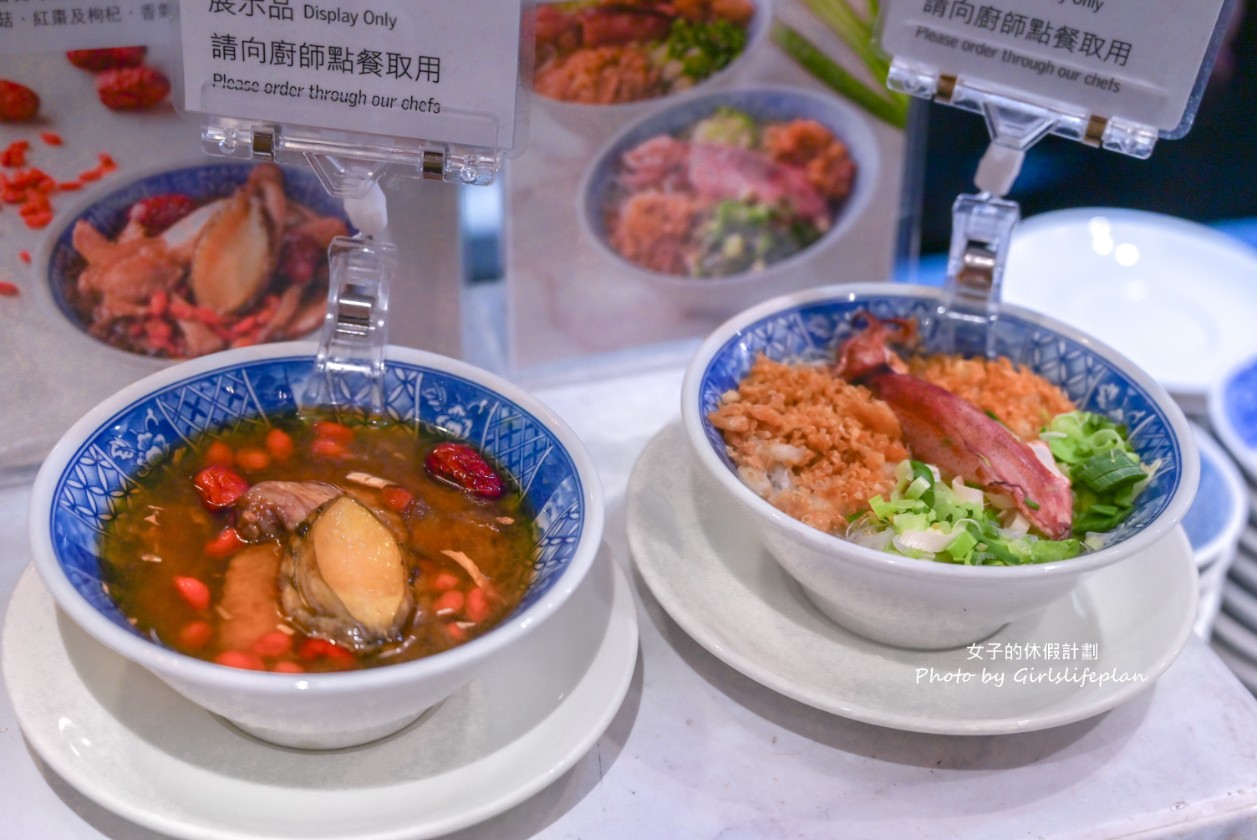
pixel 731 193
pixel 611 52
pixel 964 460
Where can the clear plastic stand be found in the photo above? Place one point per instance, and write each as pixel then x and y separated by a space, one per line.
pixel 982 229
pixel 407 88
pixel 349 368
pixel 982 224
pixel 1113 76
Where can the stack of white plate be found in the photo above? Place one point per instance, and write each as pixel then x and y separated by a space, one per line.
pixel 1233 415
pixel 1180 299
pixel 1215 524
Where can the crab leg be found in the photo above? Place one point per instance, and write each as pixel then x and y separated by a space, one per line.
pixel 956 436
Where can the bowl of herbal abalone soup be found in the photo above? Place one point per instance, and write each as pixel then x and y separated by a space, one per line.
pixel 317 572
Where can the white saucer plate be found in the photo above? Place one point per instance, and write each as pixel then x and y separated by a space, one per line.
pixel 1085 654
pixel 1241 605
pixel 126 741
pixel 1244 669
pixel 1239 640
pixel 1244 568
pixel 1177 297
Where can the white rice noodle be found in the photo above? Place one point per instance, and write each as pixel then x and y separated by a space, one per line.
pixel 875 538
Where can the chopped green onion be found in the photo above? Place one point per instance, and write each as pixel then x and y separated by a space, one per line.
pixel 1109 470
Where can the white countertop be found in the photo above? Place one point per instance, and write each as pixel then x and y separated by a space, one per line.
pixel 699 751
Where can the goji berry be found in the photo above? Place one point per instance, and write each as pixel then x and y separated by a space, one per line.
pixel 8 289
pixel 253 458
pixel 194 591
pixel 107 58
pixel 313 648
pixel 226 543
pixel 18 103
pixel 444 581
pixel 219 487
pixel 241 659
pixel 132 88
pixel 449 602
pixel 195 635
pixel 220 453
pixel 331 430
pixel 396 497
pixel 328 448
pixel 14 154
pixel 158 212
pixel 274 643
pixel 463 466
pixel 478 607
pixel 279 443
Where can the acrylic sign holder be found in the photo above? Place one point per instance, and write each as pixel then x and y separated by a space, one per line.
pixel 1161 61
pixel 245 68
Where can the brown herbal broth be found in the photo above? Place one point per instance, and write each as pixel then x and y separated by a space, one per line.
pixel 163 530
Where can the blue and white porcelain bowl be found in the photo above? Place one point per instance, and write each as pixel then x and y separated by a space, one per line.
pixel 91 472
pixel 923 604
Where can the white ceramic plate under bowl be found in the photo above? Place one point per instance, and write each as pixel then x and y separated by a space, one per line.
pixel 1240 640
pixel 1244 569
pixel 126 741
pixel 1241 605
pixel 1177 297
pixel 1243 668
pixel 1121 629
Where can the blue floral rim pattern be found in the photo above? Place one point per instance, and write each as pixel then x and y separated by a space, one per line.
pixel 812 331
pixel 100 476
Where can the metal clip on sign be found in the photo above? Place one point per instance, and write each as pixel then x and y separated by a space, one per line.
pixel 349 165
pixel 982 233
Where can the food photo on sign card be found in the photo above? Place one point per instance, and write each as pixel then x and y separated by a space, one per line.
pixel 189 261
pixel 698 157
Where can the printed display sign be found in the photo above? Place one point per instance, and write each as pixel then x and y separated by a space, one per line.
pixel 32 26
pixel 1134 59
pixel 430 70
